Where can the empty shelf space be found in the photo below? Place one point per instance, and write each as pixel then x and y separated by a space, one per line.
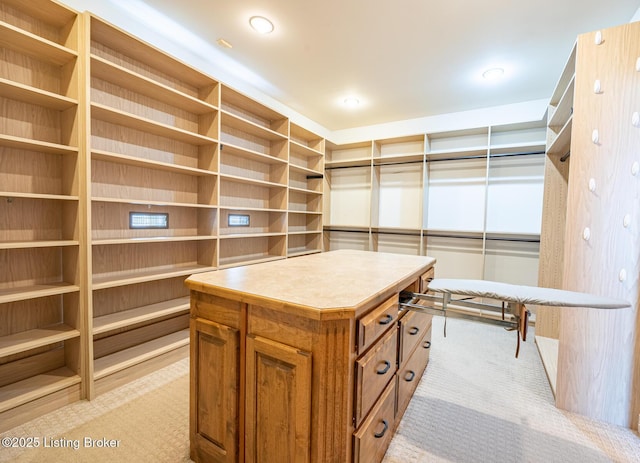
pixel 251 128
pixel 561 144
pixel 238 261
pixel 564 109
pixel 13 194
pixel 125 78
pixel 21 392
pixel 118 117
pixel 143 202
pixel 26 340
pixel 139 314
pixel 130 278
pixel 36 244
pixel 253 181
pixel 305 191
pixel 360 162
pixel 296 252
pixel 30 44
pixel 149 164
pixel 126 358
pixel 234 150
pixel 150 239
pixel 23 293
pixel 304 150
pixel 35 145
pixel 35 96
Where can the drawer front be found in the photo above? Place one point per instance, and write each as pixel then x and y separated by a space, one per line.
pixel 426 278
pixel 370 442
pixel 372 325
pixel 374 370
pixel 409 375
pixel 413 326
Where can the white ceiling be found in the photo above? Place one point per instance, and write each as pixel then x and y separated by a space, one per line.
pixel 403 59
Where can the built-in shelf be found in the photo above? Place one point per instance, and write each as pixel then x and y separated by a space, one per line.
pixel 35 96
pixel 137 315
pixel 134 277
pixel 22 293
pixel 27 390
pixel 149 164
pixel 144 202
pixel 110 364
pixel 36 244
pixel 30 44
pixel 36 145
pixel 31 339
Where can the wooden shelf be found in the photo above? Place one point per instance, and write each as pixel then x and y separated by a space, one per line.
pixel 398 159
pixel 151 239
pixel 250 235
pixel 36 244
pixel 35 96
pixel 12 194
pixel 126 358
pixel 305 191
pixel 561 144
pixel 251 128
pixel 304 150
pixel 462 153
pixel 360 162
pixel 114 116
pixel 146 313
pixel 23 293
pixel 252 181
pixel 30 44
pixel 233 150
pixel 125 78
pixel 564 110
pixel 22 392
pixel 131 278
pixel 297 252
pixel 143 202
pixel 149 164
pixel 31 339
pixel 50 12
pixel 36 145
pixel 116 39
pixel 238 261
pixel 305 170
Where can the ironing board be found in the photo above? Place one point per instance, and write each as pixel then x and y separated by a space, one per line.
pixel 514 298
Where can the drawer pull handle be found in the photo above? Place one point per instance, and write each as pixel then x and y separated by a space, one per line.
pixel 387 365
pixel 386 320
pixel 426 344
pixel 414 330
pixel 385 425
pixel 410 378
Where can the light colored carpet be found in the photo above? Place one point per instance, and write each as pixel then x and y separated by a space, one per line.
pixel 475 403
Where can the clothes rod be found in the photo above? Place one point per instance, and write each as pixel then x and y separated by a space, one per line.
pixel 565 157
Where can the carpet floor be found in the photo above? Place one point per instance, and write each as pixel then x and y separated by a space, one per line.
pixel 475 403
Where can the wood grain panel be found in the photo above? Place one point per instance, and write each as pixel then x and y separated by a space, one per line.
pixel 29 71
pixel 598 349
pixel 31 366
pixel 24 267
pixel 30 23
pixel 30 314
pixel 131 142
pixel 24 219
pixel 29 121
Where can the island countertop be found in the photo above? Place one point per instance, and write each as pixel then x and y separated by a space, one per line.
pixel 331 284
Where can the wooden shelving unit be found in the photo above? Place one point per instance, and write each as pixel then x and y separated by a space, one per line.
pixel 43 335
pixel 471 198
pixel 155 154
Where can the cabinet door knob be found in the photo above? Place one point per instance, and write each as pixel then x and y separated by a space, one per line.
pixel 409 376
pixel 386 320
pixel 426 344
pixel 387 365
pixel 414 330
pixel 385 425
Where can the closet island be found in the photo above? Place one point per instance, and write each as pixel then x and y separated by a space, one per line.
pixel 306 359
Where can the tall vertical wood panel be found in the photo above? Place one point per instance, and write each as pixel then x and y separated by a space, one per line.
pixel 599 350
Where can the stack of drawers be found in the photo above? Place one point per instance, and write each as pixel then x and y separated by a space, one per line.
pixel 393 351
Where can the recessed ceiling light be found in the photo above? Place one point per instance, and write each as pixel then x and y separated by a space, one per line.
pixel 351 102
pixel 261 24
pixel 493 73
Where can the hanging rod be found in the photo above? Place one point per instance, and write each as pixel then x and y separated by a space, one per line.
pixel 455 158
pixel 565 157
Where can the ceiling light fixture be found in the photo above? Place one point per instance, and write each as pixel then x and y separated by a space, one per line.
pixel 261 24
pixel 351 102
pixel 223 43
pixel 493 73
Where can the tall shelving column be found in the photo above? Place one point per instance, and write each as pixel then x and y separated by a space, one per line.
pixel 306 174
pixel 556 187
pixel 43 335
pixel 397 194
pixel 347 195
pixel 154 216
pixel 253 181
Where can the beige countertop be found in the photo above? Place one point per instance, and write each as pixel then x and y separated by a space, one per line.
pixel 325 283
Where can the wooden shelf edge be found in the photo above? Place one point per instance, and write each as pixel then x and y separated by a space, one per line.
pixel 37 244
pixel 144 202
pixel 27 390
pixel 250 154
pixel 130 317
pixel 234 121
pixel 305 252
pixel 36 145
pixel 31 339
pixel 153 239
pixel 36 291
pixel 149 163
pixel 133 278
pixel 32 95
pixel 25 42
pixel 109 364
pixel 238 261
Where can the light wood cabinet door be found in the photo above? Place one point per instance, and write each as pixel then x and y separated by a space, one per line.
pixel 278 402
pixel 215 355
